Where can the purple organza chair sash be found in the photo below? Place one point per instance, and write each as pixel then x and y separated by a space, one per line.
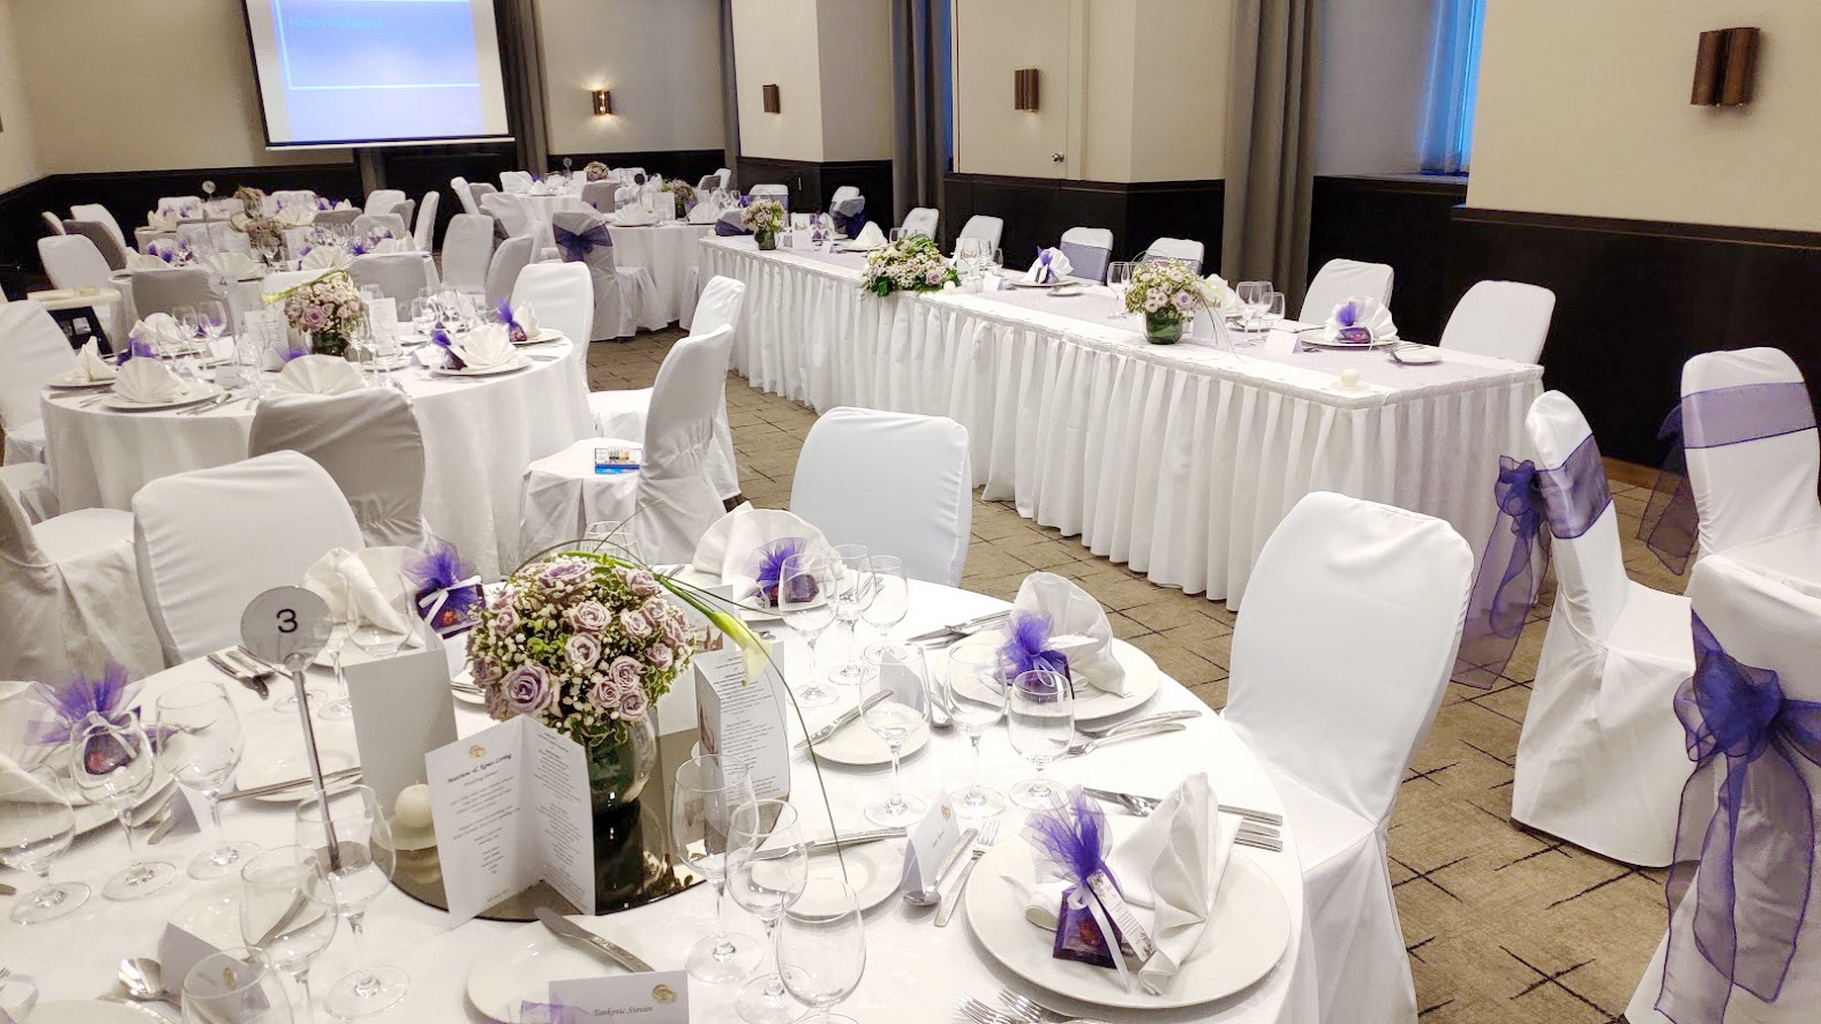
pixel 1568 498
pixel 1713 419
pixel 732 223
pixel 849 216
pixel 1750 861
pixel 1089 261
pixel 578 245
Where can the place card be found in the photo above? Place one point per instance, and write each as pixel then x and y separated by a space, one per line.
pixel 402 711
pixel 510 806
pixel 179 950
pixel 744 722
pixel 660 997
pixel 1282 343
pixel 929 841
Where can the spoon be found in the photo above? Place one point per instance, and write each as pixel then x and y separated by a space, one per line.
pixel 931 893
pixel 143 978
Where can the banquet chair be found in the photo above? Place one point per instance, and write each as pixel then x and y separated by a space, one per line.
pixel 33 350
pixel 1187 250
pixel 210 540
pixel 30 485
pixel 515 181
pixel 601 195
pixel 69 595
pixel 896 482
pixel 397 275
pixel 1340 657
pixel 982 226
pixel 288 197
pixel 161 291
pixel 479 189
pixel 371 223
pixel 726 176
pixel 625 298
pixel 464 194
pixel 176 206
pixel 669 502
pixel 562 296
pixel 382 200
pixel 843 194
pixel 468 251
pixel 406 212
pixel 425 234
pixel 1340 280
pixel 506 208
pixel 922 221
pixel 101 214
pixel 622 413
pixel 105 243
pixel 1601 758
pixel 778 192
pixel 1089 251
pixel 512 257
pixel 73 261
pixel 52 221
pixel 708 183
pixel 338 218
pixel 1507 319
pixel 369 442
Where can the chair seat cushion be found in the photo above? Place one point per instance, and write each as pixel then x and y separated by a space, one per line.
pixel 1792 557
pixel 76 535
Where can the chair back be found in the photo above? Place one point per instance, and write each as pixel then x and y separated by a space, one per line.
pixel 52 221
pixel 105 243
pixel 397 275
pixel 506 208
pixel 1507 319
pixel 679 444
pixel 1188 250
pixel 464 194
pixel 513 255
pixel 842 194
pixel 562 295
pixel 1753 489
pixel 161 291
pixel 468 251
pixel 896 482
pixel 601 194
pixel 515 181
pixel 1591 584
pixel 344 217
pixel 373 223
pixel 382 200
pixel 1089 251
pixel 982 226
pixel 33 349
pixel 481 188
pixel 73 261
pixel 100 213
pixel 1345 643
pixel 1340 280
pixel 778 192
pixel 922 221
pixel 425 235
pixel 719 305
pixel 370 444
pixel 180 206
pixel 210 540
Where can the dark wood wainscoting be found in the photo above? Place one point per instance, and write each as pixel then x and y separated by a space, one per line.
pixel 812 184
pixel 420 169
pixel 1037 211
pixel 1396 220
pixel 692 165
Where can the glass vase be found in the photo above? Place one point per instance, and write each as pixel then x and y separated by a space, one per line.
pixel 1162 328
pixel 768 240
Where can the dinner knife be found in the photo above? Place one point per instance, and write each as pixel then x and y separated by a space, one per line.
pixel 855 838
pixel 251 682
pixel 562 927
pixel 339 775
pixel 840 720
pixel 957 627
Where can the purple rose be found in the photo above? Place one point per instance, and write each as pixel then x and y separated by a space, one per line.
pixel 505 618
pixel 635 624
pixel 634 703
pixel 487 671
pixel 590 616
pixel 642 583
pixel 674 631
pixel 626 672
pixel 584 649
pixel 528 691
pixel 604 694
pixel 564 570
pixel 660 657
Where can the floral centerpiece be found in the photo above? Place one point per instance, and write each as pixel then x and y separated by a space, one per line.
pixel 684 192
pixel 595 171
pixel 764 218
pixel 911 264
pixel 326 309
pixel 264 234
pixel 1167 293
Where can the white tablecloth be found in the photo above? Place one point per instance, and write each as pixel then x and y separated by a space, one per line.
pixel 670 252
pixel 1179 460
pixel 479 435
pixel 914 970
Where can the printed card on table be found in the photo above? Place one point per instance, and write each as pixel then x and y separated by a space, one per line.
pixel 402 710
pixel 661 997
pixel 744 722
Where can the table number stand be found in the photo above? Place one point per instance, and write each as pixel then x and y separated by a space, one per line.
pixel 290 626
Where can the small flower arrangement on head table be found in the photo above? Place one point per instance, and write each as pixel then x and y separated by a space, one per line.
pixel 911 264
pixel 326 309
pixel 1168 293
pixel 684 192
pixel 764 218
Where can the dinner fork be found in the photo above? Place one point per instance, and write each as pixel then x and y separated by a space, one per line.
pixel 1034 1012
pixel 989 834
pixel 984 1013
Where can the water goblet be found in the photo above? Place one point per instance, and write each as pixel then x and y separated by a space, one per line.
pixel 36 824
pixel 238 985
pixel 894 690
pixel 767 865
pixel 822 947
pixel 1272 313
pixel 891 594
pixel 381 639
pixel 200 745
pixel 807 608
pixel 1251 296
pixel 1119 282
pixel 973 694
pixel 357 871
pixel 287 913
pixel 1040 709
pixel 850 590
pixel 112 764
pixel 707 792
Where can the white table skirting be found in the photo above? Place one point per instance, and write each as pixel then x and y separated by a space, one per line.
pixel 669 251
pixel 1178 460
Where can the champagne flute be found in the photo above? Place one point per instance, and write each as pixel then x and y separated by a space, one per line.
pixel 973 693
pixel 849 591
pixel 238 985
pixel 1119 282
pixel 895 675
pixel 1251 296
pixel 822 947
pixel 767 868
pixel 708 790
pixel 357 872
pixel 36 825
pixel 891 594
pixel 112 764
pixel 808 608
pixel 1040 708
pixel 200 745
pixel 287 913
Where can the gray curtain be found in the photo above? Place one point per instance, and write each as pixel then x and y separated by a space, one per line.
pixel 1271 145
pixel 525 82
pixel 918 139
pixel 730 95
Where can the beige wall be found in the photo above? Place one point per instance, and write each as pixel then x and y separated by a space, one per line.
pixel 1369 107
pixel 18 149
pixel 775 42
pixel 661 59
pixel 1179 102
pixel 854 40
pixel 1583 109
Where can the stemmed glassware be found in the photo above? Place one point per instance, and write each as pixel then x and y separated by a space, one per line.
pixel 767 866
pixel 376 639
pixel 808 608
pixel 1251 296
pixel 973 693
pixel 822 947
pixel 238 985
pixel 1040 710
pixel 850 589
pixel 356 874
pixel 112 764
pixel 1119 282
pixel 200 744
pixel 287 913
pixel 895 676
pixel 707 793
pixel 342 619
pixel 891 594
pixel 36 824
pixel 212 321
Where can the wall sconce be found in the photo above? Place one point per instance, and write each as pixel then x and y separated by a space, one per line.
pixel 1024 89
pixel 1724 62
pixel 772 106
pixel 603 102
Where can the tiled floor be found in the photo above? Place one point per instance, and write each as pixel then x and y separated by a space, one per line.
pixel 1503 925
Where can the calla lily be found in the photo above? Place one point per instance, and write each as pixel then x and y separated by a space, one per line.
pixel 753 653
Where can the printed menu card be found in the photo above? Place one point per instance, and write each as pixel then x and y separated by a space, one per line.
pixel 742 721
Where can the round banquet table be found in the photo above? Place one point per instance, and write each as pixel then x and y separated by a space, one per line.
pixel 479 435
pixel 669 251
pixel 914 970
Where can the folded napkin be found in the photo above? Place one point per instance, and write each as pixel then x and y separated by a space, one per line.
pixel 1173 865
pixel 704 213
pixel 1051 267
pixel 871 236
pixel 1360 319
pixel 1073 625
pixel 745 548
pixel 158 220
pixel 365 587
pixel 486 346
pixel 94 367
pixel 148 380
pixel 295 216
pixel 635 216
pixel 391 245
pixel 318 375
pixel 234 266
pixel 145 261
pixel 325 257
pixel 731 222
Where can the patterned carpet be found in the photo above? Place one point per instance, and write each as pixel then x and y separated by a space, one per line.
pixel 1503 925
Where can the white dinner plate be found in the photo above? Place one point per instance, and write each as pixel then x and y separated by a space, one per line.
pixel 76 380
pixel 873 872
pixel 196 393
pixel 1141 676
pixel 91 816
pixel 1020 282
pixel 544 336
pixel 1416 355
pixel 856 745
pixel 857 247
pixel 264 771
pixel 1246 937
pixel 523 965
pixel 84 1011
pixel 1318 340
pixel 516 363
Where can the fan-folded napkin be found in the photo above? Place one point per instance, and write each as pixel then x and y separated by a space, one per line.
pixel 1051 267
pixel 704 213
pixel 158 220
pixel 145 261
pixel 94 366
pixel 870 236
pixel 1361 312
pixel 325 257
pixel 728 550
pixel 1078 630
pixel 146 381
pixel 235 266
pixel 486 346
pixel 295 216
pixel 317 375
pixel 634 216
pixel 363 587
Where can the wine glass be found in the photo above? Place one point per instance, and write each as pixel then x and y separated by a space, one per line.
pixel 1272 313
pixel 200 745
pixel 287 913
pixel 378 639
pixel 808 609
pixel 36 825
pixel 895 677
pixel 891 594
pixel 343 617
pixel 112 764
pixel 357 869
pixel 849 590
pixel 1251 296
pixel 212 320
pixel 702 804
pixel 767 866
pixel 973 694
pixel 1119 282
pixel 1040 709
pixel 822 947
pixel 238 985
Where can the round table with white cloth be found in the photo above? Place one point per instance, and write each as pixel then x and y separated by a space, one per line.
pixel 670 252
pixel 914 970
pixel 479 434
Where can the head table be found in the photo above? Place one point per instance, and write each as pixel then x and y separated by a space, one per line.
pixel 479 435
pixel 914 970
pixel 1179 460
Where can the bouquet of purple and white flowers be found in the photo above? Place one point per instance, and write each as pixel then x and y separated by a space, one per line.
pixel 684 193
pixel 595 171
pixel 911 264
pixel 326 309
pixel 1170 290
pixel 764 217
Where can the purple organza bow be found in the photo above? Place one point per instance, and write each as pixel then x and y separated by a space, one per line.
pixel 768 571
pixel 137 346
pixel 70 704
pixel 1712 419
pixel 1757 851
pixel 515 331
pixel 1568 499
pixel 849 216
pixel 1072 843
pixel 577 246
pixel 1045 273
pixel 1027 645
pixel 440 338
pixel 449 595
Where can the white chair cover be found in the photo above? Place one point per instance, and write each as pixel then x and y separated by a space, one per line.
pixel 377 222
pixel 506 208
pixel 515 181
pixel 512 256
pixel 1089 251
pixel 369 442
pixel 1501 318
pixel 285 198
pixel 178 206
pixel 601 195
pixel 30 485
pixel 464 194
pixel 479 189
pixel 160 291
pixel 1340 657
pixel 922 221
pixel 397 275
pixel 982 226
pixel 1340 280
pixel 562 294
pixel 1177 249
pixel 382 200
pixel 622 413
pixel 32 350
pixel 1601 760
pixel 73 261
pixel 468 251
pixel 103 216
pixel 69 596
pixel 405 212
pixel 425 234
pixel 1758 494
pixel 51 220
pixel 896 482
pixel 726 176
pixel 336 218
pixel 674 501
pixel 111 250
pixel 625 298
pixel 210 540
pixel 772 190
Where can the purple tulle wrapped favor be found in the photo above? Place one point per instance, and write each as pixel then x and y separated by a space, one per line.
pixel 768 571
pixel 515 331
pixel 70 705
pixel 449 595
pixel 1072 843
pixel 451 361
pixel 1027 646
